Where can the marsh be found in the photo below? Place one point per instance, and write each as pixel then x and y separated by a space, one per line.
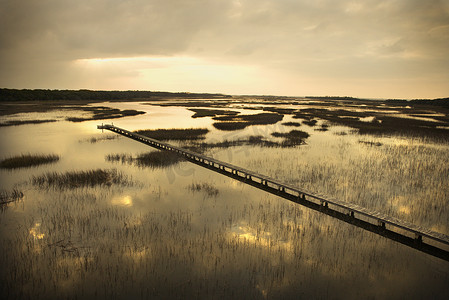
pixel 145 229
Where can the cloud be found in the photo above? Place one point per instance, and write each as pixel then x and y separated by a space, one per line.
pixel 301 37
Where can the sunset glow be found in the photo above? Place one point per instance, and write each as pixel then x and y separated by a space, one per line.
pixel 373 49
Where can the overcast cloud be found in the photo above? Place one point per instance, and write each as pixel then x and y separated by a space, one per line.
pixel 370 48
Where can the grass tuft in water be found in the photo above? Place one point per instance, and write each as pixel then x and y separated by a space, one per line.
pixel 28 160
pixel 310 123
pixel 204 187
pixel 323 127
pixel 371 143
pixel 293 124
pixel 94 140
pixel 76 179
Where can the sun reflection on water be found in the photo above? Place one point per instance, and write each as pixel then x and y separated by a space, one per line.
pixel 122 201
pixel 35 232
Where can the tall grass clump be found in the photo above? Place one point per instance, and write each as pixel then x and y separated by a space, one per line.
pixel 94 140
pixel 204 187
pixel 310 123
pixel 230 126
pixel 175 134
pixel 159 159
pixel 76 179
pixel 294 124
pixel 28 160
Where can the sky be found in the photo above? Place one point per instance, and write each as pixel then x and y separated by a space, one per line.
pixel 370 48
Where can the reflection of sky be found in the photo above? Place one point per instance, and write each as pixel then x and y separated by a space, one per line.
pixel 155 117
pixel 122 200
pixel 260 238
pixel 36 233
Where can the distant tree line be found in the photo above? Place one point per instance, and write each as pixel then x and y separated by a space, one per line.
pixel 41 94
pixel 332 98
pixel 442 102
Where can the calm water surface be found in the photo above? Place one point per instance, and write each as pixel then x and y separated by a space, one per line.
pixel 159 238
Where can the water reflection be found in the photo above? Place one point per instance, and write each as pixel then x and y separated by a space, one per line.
pixel 258 238
pixel 36 233
pixel 122 200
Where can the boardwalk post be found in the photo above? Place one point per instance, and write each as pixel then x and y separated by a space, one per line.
pixel 418 238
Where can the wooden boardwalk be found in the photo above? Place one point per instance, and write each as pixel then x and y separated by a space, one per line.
pixel 431 242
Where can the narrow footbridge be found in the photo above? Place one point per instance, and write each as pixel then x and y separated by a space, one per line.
pixel 414 236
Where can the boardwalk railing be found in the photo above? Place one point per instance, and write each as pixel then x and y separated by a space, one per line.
pixel 414 236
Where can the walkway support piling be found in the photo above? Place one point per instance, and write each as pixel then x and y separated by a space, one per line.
pixel 403 232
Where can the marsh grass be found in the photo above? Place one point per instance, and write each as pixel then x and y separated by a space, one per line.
pixel 280 110
pixel 28 160
pixel 76 179
pixel 310 123
pixel 9 197
pixel 209 103
pixel 371 143
pixel 340 133
pixel 254 140
pixel 175 134
pixel 401 179
pixel 200 113
pixel 210 247
pixel 293 124
pixel 292 138
pixel 119 157
pixel 98 112
pixel 323 127
pixel 229 123
pixel 24 122
pixel 94 140
pixel 230 126
pixel 381 124
pixel 101 113
pixel 256 119
pixel 205 187
pixel 159 159
pixel 242 244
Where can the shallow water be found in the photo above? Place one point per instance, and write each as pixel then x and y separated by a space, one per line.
pixel 160 238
